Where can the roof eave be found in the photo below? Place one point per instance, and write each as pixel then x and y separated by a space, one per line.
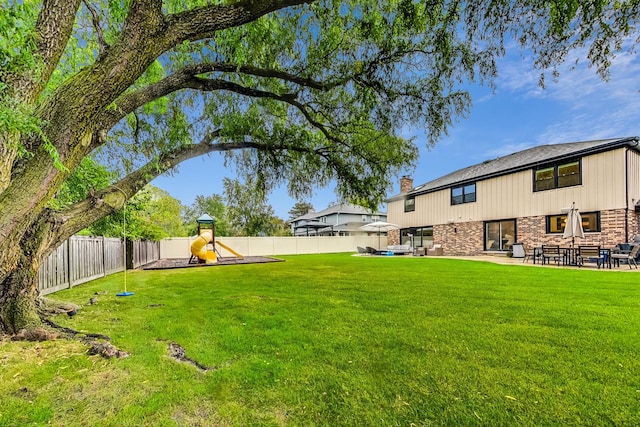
pixel 631 142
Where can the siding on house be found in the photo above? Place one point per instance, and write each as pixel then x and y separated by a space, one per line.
pixel 610 185
pixel 512 196
pixel 633 177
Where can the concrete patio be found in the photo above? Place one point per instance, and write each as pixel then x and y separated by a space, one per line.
pixel 519 261
pixel 514 261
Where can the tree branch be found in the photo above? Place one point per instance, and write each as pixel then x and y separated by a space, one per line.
pixel 259 72
pixel 201 23
pixel 143 15
pixel 185 78
pixel 53 29
pixel 188 81
pixel 66 222
pixel 95 19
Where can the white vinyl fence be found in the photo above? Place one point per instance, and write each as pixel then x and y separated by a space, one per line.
pixel 179 247
pixel 82 258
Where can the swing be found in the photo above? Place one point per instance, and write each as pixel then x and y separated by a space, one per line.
pixel 124 248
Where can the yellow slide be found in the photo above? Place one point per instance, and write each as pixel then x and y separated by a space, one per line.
pixel 199 248
pixel 229 249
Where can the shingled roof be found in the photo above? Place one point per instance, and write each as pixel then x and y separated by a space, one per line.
pixel 344 208
pixel 519 161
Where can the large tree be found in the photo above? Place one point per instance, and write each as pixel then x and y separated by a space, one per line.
pixel 300 91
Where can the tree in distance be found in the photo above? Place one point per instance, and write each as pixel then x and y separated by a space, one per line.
pixel 211 205
pixel 299 209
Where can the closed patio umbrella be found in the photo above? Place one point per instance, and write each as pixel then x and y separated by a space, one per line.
pixel 573 227
pixel 379 226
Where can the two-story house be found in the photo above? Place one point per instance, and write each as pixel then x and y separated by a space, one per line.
pixel 520 197
pixel 337 220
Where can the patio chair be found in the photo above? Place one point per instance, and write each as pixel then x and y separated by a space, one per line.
pixel 629 257
pixel 589 253
pixel 529 253
pixel 372 251
pixel 552 252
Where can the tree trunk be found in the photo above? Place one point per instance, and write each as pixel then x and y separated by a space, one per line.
pixel 70 115
pixel 18 297
pixel 19 277
pixel 20 257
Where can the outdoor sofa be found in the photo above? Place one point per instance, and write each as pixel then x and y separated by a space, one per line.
pixel 400 249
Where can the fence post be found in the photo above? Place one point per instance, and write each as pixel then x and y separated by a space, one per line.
pixel 104 258
pixel 69 281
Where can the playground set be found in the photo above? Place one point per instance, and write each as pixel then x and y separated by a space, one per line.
pixel 203 249
pixel 206 251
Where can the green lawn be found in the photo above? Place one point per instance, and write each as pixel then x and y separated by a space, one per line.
pixel 336 340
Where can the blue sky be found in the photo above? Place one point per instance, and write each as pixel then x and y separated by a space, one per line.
pixel 579 106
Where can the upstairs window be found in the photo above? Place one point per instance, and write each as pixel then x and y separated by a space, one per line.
pixel 463 194
pixel 557 176
pixel 569 174
pixel 410 204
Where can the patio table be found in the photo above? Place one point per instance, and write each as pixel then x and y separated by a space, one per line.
pixel 570 256
pixel 607 256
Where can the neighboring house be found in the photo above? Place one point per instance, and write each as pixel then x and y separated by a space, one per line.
pixel 487 207
pixel 338 220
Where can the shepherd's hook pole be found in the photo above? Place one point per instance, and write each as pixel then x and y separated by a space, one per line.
pixel 124 242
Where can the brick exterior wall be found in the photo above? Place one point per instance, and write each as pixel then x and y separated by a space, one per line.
pixel 463 238
pixel 531 231
pixel 467 238
pixel 393 237
pixel 613 229
pixel 634 224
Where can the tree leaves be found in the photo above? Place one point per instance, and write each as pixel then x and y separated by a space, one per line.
pixel 247 211
pixel 306 95
pixel 17 36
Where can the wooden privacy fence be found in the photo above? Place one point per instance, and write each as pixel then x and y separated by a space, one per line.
pixel 81 259
pixel 142 252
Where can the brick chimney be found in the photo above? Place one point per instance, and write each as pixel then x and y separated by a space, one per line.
pixel 406 184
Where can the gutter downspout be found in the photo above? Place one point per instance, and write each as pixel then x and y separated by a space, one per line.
pixel 626 194
pixel 631 143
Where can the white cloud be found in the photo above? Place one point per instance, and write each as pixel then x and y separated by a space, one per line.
pixel 576 81
pixel 614 123
pixel 590 107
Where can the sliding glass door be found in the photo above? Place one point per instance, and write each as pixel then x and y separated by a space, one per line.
pixel 499 235
pixel 419 236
